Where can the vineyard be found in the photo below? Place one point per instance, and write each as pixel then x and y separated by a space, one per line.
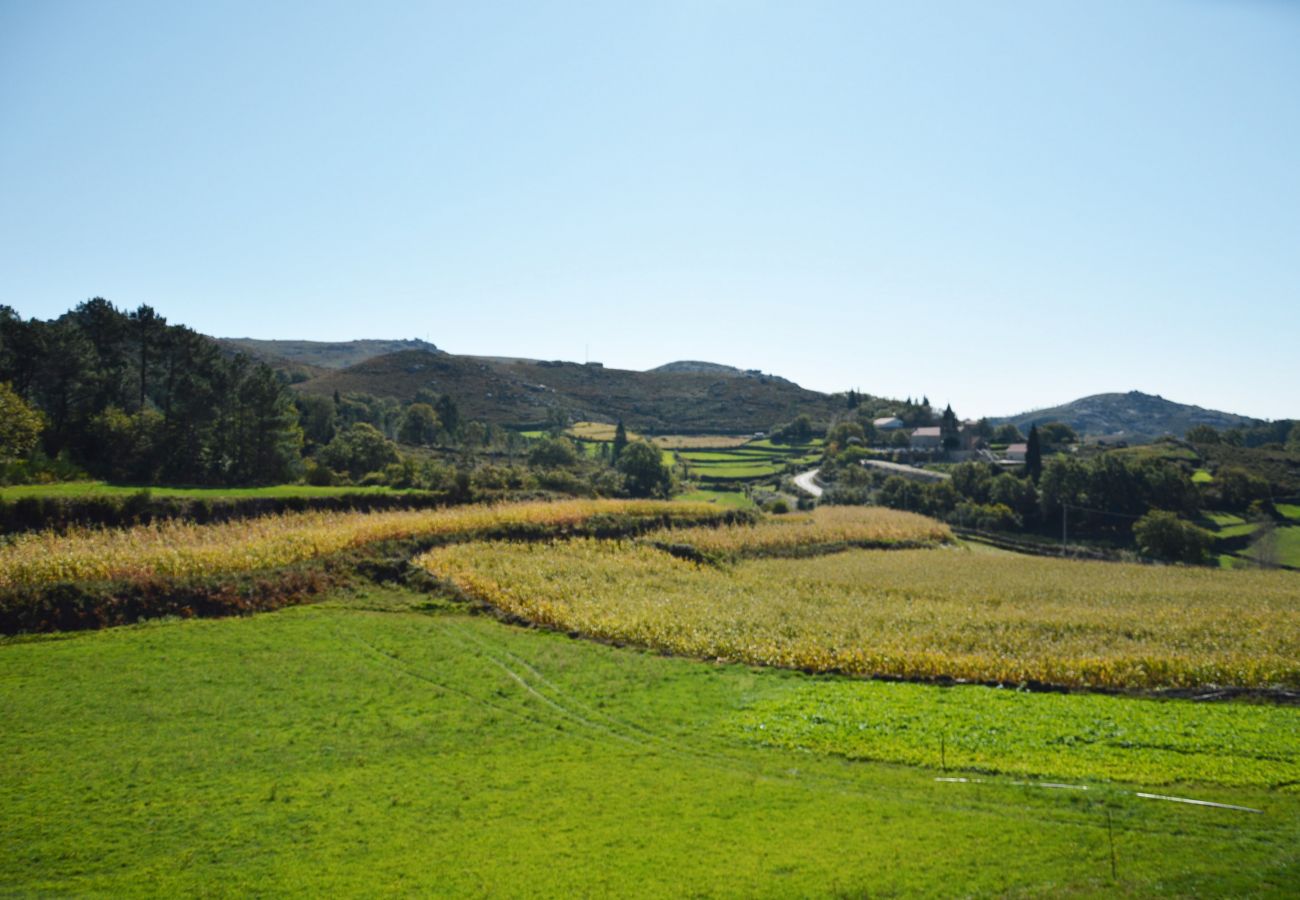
pixel 827 528
pixel 914 614
pixel 96 577
pixel 394 738
pixel 182 549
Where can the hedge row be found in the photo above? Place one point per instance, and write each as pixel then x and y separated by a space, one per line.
pixel 61 513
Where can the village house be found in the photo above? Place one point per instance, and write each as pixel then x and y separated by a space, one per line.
pixel 888 423
pixel 1016 452
pixel 929 438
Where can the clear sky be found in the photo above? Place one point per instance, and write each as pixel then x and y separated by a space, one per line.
pixel 998 205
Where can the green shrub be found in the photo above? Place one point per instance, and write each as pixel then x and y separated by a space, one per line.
pixel 1162 535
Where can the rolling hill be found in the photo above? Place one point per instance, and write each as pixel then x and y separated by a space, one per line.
pixel 527 392
pixel 1134 416
pixel 321 354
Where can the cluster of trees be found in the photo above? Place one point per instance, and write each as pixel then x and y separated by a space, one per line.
pixel 1283 433
pixel 1109 497
pixel 127 396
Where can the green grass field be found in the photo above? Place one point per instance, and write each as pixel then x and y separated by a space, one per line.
pixel 755 460
pixel 1227 525
pixel 1290 510
pixel 1286 546
pixel 386 743
pixel 729 499
pixel 103 489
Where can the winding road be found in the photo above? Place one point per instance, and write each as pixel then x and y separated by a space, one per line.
pixel 807 482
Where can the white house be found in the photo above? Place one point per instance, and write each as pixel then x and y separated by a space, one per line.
pixel 927 438
pixel 1016 452
pixel 888 423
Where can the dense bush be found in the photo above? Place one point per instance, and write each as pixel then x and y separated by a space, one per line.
pixel 1162 535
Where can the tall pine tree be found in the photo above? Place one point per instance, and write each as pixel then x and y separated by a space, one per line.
pixel 1034 455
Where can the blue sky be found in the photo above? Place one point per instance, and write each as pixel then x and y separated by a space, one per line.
pixel 998 205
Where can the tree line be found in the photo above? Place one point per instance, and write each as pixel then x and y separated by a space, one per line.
pixel 127 396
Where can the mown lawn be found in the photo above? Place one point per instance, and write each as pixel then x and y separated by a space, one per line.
pixel 368 746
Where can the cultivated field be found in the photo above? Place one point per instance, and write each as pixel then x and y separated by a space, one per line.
pixel 921 614
pixel 181 549
pixel 384 740
pixel 83 489
pixel 798 534
pixel 700 441
pixel 750 462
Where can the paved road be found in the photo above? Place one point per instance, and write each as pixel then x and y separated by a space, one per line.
pixel 806 482
pixel 907 471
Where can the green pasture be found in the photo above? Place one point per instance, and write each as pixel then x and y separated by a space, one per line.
pixel 710 456
pixel 1290 511
pixel 1285 549
pixel 78 489
pixel 729 499
pixel 1202 476
pixel 1227 525
pixel 755 460
pixel 386 743
pixel 1054 736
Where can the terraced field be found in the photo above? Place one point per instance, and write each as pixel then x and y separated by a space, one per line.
pixel 917 614
pixel 386 740
pixel 752 461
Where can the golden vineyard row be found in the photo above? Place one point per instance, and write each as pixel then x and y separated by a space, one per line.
pixel 827 525
pixel 908 613
pixel 182 549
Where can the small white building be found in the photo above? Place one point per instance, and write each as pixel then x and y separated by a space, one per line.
pixel 888 423
pixel 930 438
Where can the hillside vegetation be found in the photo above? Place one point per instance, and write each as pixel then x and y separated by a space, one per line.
pixel 321 354
pixel 512 392
pixel 1134 416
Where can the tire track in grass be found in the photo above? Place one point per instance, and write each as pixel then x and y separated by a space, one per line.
pixel 391 662
pixel 736 762
pixel 739 763
pixel 468 639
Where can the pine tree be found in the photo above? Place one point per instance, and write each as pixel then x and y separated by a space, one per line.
pixel 1033 455
pixel 620 440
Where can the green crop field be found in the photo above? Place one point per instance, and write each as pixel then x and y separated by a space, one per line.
pixel 385 743
pixel 1060 736
pixel 755 460
pixel 75 489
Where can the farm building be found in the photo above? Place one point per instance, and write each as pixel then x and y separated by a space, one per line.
pixel 888 423
pixel 1016 452
pixel 927 438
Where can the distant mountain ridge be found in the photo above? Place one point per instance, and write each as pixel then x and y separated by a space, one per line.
pixel 695 366
pixel 1133 416
pixel 517 392
pixel 322 354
